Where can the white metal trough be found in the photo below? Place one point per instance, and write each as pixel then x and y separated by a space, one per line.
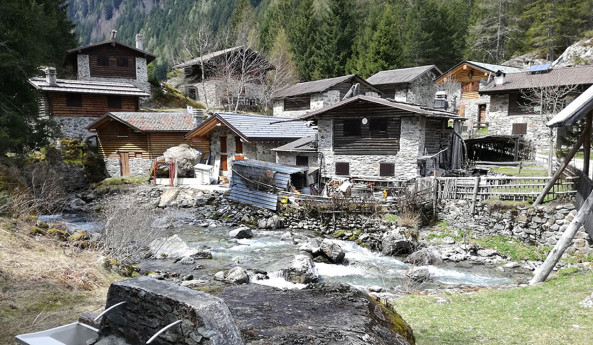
pixel 72 334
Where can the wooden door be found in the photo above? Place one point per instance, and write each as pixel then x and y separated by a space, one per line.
pixel 482 113
pixel 124 163
pixel 223 163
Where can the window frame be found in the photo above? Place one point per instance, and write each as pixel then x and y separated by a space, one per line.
pixel 302 164
pixel 74 100
pixel 343 165
pixel 121 59
pixel 103 60
pixel 355 123
pixel 378 133
pixel 114 102
pixel 387 169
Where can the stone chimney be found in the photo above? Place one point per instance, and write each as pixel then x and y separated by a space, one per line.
pixel 50 76
pixel 440 100
pixel 113 35
pixel 499 79
pixel 139 42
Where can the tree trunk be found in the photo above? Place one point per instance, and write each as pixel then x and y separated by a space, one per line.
pixel 542 273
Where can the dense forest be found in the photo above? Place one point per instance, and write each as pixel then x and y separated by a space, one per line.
pixel 332 37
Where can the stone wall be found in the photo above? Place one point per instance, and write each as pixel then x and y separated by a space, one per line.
pixel 75 126
pixel 138 166
pixel 318 101
pixel 542 226
pixel 113 167
pixel 289 158
pixel 406 166
pixel 141 80
pixel 422 90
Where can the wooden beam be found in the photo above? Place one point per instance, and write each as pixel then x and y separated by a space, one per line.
pixel 565 240
pixel 587 144
pixel 567 160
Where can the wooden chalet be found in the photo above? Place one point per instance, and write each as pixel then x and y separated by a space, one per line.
pixel 129 141
pixel 232 136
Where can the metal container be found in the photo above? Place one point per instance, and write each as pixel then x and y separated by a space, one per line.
pixel 72 334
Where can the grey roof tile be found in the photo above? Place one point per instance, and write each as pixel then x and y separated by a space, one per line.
pixel 579 75
pixel 153 121
pixel 401 75
pixel 91 87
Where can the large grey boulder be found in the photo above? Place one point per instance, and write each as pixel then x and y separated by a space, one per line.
pixel 396 243
pixel 418 274
pixel 302 270
pixel 241 232
pixel 168 196
pixel 332 251
pixel 237 275
pixel 173 247
pixel 424 256
pixel 185 156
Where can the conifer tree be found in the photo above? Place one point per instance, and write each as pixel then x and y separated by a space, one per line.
pixel 302 35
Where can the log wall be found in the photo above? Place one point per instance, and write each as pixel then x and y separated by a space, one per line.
pixel 92 105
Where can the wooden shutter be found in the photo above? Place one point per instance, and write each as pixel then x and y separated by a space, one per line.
pixel 386 169
pixel 238 145
pixel 223 144
pixel 342 168
pixel 519 128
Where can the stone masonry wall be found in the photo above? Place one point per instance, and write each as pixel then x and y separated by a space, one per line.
pixel 406 166
pixel 138 166
pixel 318 101
pixel 113 167
pixel 75 126
pixel 289 158
pixel 542 226
pixel 422 90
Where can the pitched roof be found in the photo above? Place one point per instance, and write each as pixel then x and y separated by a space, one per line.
pixel 74 51
pixel 317 86
pixel 406 107
pixel 401 75
pixel 256 127
pixel 207 57
pixel 485 67
pixel 149 121
pixel 580 75
pixel 305 144
pixel 91 87
pixel 576 110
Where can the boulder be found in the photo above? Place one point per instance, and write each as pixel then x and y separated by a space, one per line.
pixel 302 270
pixel 332 251
pixel 418 274
pixel 76 204
pixel 185 156
pixel 423 257
pixel 487 252
pixel 168 196
pixel 311 247
pixel 395 243
pixel 170 247
pixel 237 275
pixel 287 236
pixel 241 232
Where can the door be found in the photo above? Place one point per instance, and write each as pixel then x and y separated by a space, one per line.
pixel 223 163
pixel 124 163
pixel 482 115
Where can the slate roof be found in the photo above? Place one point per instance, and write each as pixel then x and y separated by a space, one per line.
pixel 316 86
pixel 412 108
pixel 150 121
pixel 402 75
pixel 576 110
pixel 74 51
pixel 580 75
pixel 305 144
pixel 487 67
pixel 259 127
pixel 91 87
pixel 207 57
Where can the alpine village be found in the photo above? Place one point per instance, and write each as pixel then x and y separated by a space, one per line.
pixel 276 172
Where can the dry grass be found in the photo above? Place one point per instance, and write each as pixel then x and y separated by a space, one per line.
pixel 45 283
pixel 409 219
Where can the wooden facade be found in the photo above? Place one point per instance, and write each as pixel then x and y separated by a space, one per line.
pixel 97 105
pixel 380 135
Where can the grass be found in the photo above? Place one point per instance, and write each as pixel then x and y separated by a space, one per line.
pixel 121 181
pixel 45 284
pixel 390 218
pixel 548 313
pixel 514 249
pixel 523 173
pixel 483 130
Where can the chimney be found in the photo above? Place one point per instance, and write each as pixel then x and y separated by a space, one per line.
pixel 139 42
pixel 50 76
pixel 113 35
pixel 440 100
pixel 499 79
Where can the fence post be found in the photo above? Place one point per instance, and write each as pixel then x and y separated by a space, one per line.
pixel 475 196
pixel 435 196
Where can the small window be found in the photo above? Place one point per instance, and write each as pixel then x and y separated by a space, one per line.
pixel 342 168
pixel 519 128
pixel 122 61
pixel 103 60
pixel 114 102
pixel 297 103
pixel 302 161
pixel 352 128
pixel 223 144
pixel 122 132
pixel 386 169
pixel 74 100
pixel 192 92
pixel 378 128
pixel 238 145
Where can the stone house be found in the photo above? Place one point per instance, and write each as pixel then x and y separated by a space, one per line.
pixel 130 141
pixel 462 83
pixel 411 85
pixel 232 136
pixel 301 152
pixel 299 99
pixel 374 138
pixel 111 76
pixel 230 75
pixel 521 103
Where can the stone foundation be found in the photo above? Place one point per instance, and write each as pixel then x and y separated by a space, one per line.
pixel 138 166
pixel 75 126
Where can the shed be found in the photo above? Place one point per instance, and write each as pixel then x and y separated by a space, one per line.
pixel 256 182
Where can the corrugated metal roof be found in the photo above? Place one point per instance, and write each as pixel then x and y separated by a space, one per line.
pixel 91 87
pixel 317 86
pixel 402 75
pixel 579 75
pixel 300 145
pixel 575 111
pixel 149 57
pixel 412 108
pixel 151 121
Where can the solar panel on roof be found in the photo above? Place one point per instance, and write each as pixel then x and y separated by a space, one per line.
pixel 539 68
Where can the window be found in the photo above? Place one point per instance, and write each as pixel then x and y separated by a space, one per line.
pixel 302 161
pixel 352 128
pixel 378 128
pixel 519 128
pixel 297 103
pixel 223 144
pixel 342 168
pixel 238 145
pixel 122 61
pixel 103 60
pixel 386 169
pixel 114 102
pixel 74 100
pixel 519 105
pixel 122 132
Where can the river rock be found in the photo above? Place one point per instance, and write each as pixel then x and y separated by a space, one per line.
pixel 395 243
pixel 168 196
pixel 287 236
pixel 332 251
pixel 319 314
pixel 423 257
pixel 302 270
pixel 418 274
pixel 202 254
pixel 241 232
pixel 76 204
pixel 487 252
pixel 237 275
pixel 312 247
pixel 170 247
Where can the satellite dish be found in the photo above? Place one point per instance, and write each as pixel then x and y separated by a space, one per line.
pixel 364 121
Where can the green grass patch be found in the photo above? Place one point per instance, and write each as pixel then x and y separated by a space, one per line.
pixel 544 314
pixel 483 130
pixel 523 173
pixel 122 181
pixel 390 218
pixel 514 249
